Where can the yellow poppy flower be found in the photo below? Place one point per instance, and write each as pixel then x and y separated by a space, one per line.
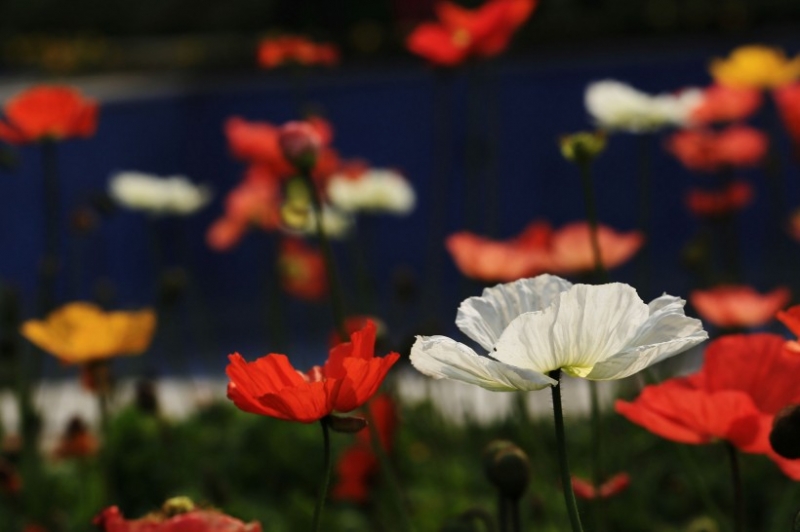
pixel 756 66
pixel 82 332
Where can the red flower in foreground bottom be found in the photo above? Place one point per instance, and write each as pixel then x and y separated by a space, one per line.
pixel 613 486
pixel 737 305
pixel 270 386
pixel 191 520
pixel 745 380
pixel 48 112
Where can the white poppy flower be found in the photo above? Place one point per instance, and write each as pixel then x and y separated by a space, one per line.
pixel 533 326
pixel 376 190
pixel 158 195
pixel 617 106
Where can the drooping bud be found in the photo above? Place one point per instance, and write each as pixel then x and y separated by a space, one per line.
pixel 583 147
pixel 785 435
pixel 346 424
pixel 507 467
pixel 300 144
pixel 296 208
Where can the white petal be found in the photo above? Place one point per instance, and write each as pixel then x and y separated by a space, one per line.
pixel 586 325
pixel 667 322
pixel 441 357
pixel 638 358
pixel 484 318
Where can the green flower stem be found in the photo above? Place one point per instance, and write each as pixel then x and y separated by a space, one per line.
pixel 566 479
pixel 388 471
pixel 645 207
pixel 738 493
pixel 326 478
pixel 337 299
pixel 516 522
pixel 597 473
pixel 502 512
pixel 591 218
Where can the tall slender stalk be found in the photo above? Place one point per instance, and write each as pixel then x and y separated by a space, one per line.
pixel 337 298
pixel 645 206
pixel 566 478
pixel 738 492
pixel 326 476
pixel 591 217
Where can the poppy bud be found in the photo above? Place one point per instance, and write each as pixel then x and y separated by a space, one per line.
pixel 785 435
pixel 346 424
pixel 300 144
pixel 507 467
pixel 583 147
pixel 177 505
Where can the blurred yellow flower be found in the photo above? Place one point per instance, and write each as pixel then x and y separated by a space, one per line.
pixel 82 332
pixel 756 66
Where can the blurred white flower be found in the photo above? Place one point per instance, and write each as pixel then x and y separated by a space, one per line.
pixel 534 326
pixel 157 195
pixel 617 106
pixel 375 190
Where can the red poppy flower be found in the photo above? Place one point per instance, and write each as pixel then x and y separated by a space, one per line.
pixel 737 305
pixel 539 249
pixel 112 520
pixel 287 49
pixel 791 319
pixel 355 323
pixel 270 386
pixel 462 33
pixel 48 113
pixel 258 143
pixel 733 198
pixel 745 380
pixel 788 101
pixel 613 486
pixel 709 151
pixel 358 465
pixel 302 270
pixel 722 103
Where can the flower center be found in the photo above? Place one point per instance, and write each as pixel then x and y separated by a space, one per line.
pixel 461 38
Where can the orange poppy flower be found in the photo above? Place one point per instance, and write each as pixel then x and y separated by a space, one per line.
pixel 48 113
pixel 173 520
pixel 722 103
pixel 709 151
pixel 733 198
pixel 270 386
pixel 79 332
pixel 788 101
pixel 462 33
pixel 302 270
pixel 738 305
pixel 746 379
pixel 540 249
pixel 76 441
pixel 613 486
pixel 756 66
pixel 287 49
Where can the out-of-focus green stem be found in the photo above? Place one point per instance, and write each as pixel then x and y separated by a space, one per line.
pixel 561 441
pixel 326 476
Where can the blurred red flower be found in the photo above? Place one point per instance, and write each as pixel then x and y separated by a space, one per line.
pixel 302 270
pixel 270 386
pixel 745 380
pixel 791 319
pixel 462 33
pixel 358 464
pixel 540 249
pixel 733 198
pixel 738 305
pixel 787 100
pixel 722 103
pixel 259 143
pixel 76 441
pixel 112 520
pixel 48 112
pixel 709 151
pixel 288 49
pixel 10 479
pixel 613 486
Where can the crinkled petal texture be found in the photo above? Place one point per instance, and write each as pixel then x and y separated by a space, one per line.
pixel 535 326
pixel 744 381
pixel 81 332
pixel 270 386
